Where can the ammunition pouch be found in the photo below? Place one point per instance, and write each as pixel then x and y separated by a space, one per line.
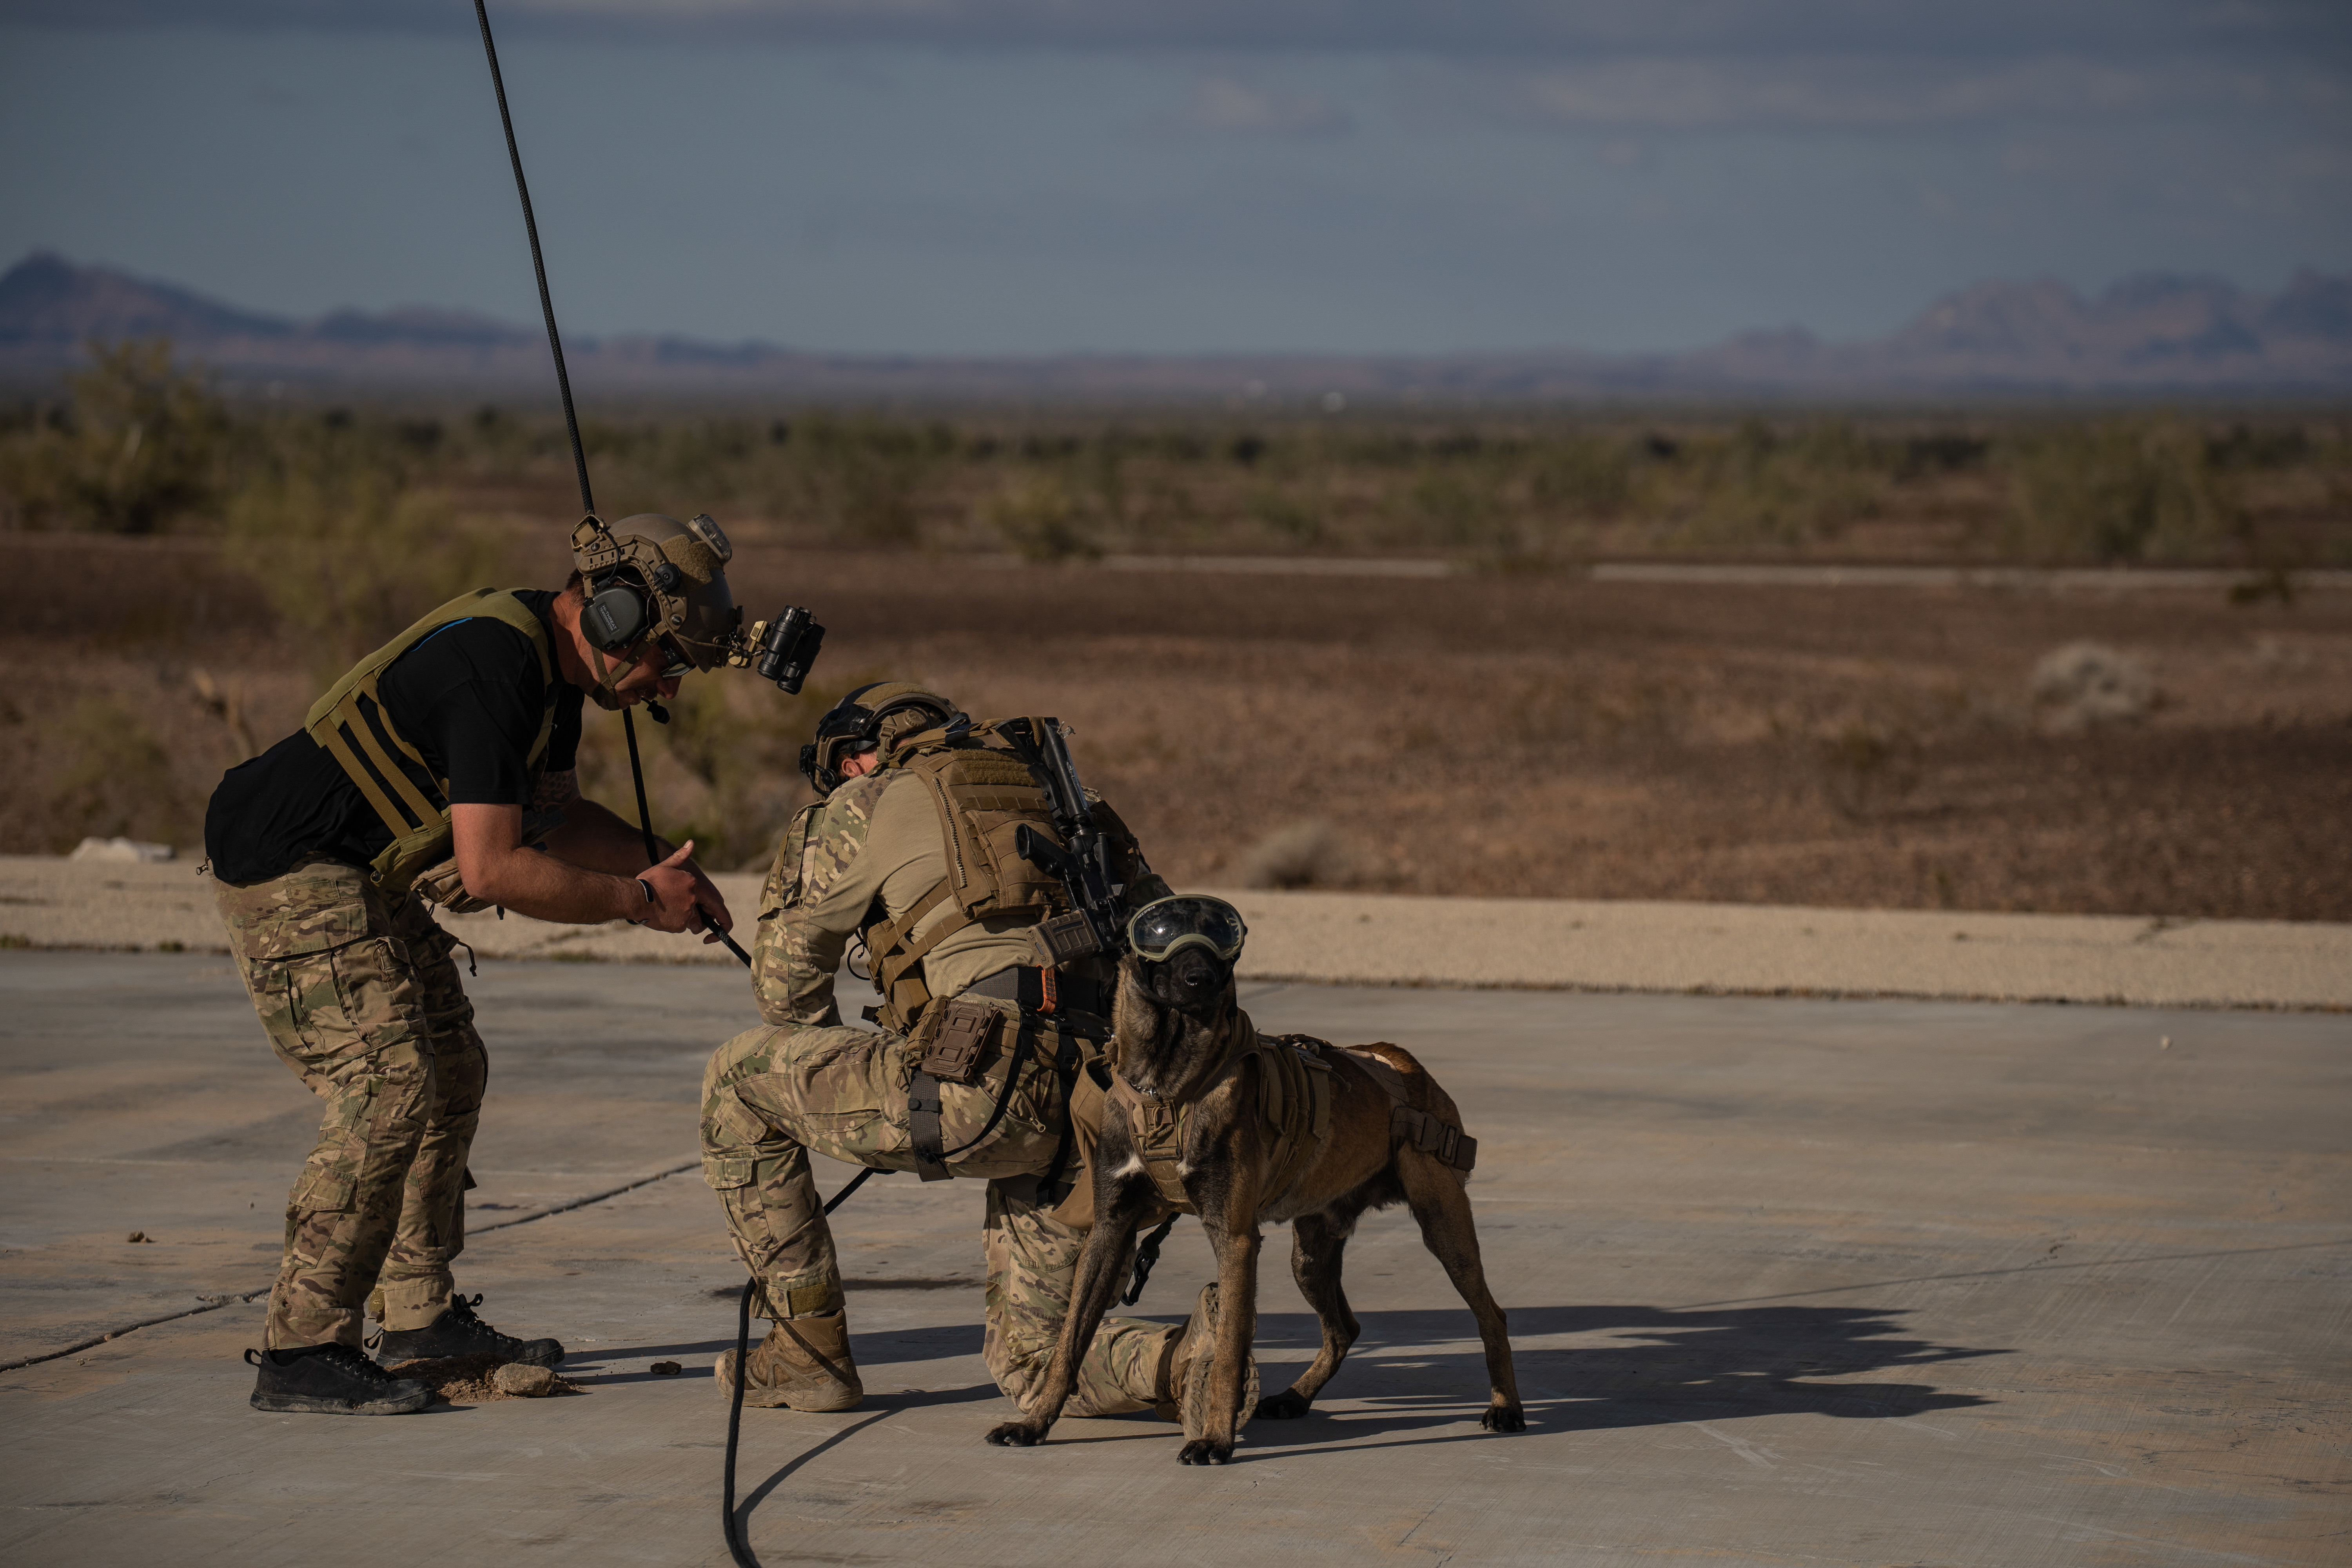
pixel 1065 939
pixel 962 1031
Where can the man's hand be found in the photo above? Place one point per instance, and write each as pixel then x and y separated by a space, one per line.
pixel 685 898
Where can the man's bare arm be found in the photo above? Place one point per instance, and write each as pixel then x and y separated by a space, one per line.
pixel 498 869
pixel 599 839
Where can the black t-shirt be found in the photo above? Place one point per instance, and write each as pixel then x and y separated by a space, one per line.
pixel 469 697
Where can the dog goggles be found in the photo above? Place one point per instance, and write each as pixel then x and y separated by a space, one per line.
pixel 1189 920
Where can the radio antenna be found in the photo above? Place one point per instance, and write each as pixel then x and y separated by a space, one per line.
pixel 538 264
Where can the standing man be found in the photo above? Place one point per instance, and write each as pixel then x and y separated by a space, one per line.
pixel 910 852
pixel 440 768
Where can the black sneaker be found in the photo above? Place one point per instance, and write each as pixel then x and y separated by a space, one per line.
pixel 457 1331
pixel 331 1380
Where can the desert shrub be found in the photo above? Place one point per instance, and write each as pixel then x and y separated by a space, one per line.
pixel 1869 766
pixel 2083 684
pixel 347 552
pixel 2118 491
pixel 142 444
pixel 862 480
pixel 1584 476
pixel 1757 487
pixel 724 772
pixel 117 779
pixel 1309 854
pixel 1039 520
pixel 1291 517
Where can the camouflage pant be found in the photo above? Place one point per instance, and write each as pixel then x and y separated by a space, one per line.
pixel 774 1093
pixel 361 998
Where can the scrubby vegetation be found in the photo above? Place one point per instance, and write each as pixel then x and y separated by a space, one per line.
pixel 201 567
pixel 141 448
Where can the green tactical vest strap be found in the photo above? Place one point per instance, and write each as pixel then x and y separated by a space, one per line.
pixel 351 723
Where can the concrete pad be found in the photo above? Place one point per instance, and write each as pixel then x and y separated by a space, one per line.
pixel 1371 940
pixel 1789 1280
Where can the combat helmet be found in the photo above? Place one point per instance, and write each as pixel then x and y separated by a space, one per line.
pixel 652 577
pixel 873 717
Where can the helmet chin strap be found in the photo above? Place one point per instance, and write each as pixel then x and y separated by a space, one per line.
pixel 607 678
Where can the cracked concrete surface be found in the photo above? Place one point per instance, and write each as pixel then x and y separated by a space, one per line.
pixel 1789 1279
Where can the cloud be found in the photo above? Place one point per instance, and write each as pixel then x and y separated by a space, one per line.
pixel 1848 92
pixel 1227 103
pixel 1986 29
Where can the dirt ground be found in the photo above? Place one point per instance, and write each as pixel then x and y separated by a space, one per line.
pixel 1534 735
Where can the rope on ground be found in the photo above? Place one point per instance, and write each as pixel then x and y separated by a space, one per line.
pixel 215 1303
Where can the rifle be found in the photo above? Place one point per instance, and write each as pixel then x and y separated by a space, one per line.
pixel 1096 922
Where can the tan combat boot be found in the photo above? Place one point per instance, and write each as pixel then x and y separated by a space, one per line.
pixel 803 1363
pixel 1184 1390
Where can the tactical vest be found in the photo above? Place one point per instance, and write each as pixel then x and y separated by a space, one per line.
pixel 984 795
pixel 351 723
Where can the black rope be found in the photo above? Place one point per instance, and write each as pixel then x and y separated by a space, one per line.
pixel 736 1548
pixel 538 265
pixel 1145 1257
pixel 645 830
pixel 638 777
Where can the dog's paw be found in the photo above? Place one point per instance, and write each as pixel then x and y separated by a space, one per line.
pixel 1202 1451
pixel 1016 1435
pixel 1503 1418
pixel 1287 1405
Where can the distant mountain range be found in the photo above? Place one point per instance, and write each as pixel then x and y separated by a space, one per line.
pixel 2150 335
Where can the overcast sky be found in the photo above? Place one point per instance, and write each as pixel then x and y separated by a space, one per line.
pixel 934 176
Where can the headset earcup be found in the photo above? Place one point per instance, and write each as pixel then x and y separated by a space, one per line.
pixel 613 618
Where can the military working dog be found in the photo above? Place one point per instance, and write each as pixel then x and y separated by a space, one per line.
pixel 1205 1115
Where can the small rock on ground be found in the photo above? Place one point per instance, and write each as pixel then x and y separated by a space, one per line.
pixel 524 1382
pixel 479 1378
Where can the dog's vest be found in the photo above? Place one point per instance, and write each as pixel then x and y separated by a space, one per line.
pixel 1294 1077
pixel 1294 1097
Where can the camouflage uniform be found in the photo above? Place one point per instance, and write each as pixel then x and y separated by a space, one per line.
pixel 806 1082
pixel 361 998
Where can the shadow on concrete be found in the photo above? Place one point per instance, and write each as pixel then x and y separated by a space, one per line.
pixel 1662 1366
pixel 1422 1371
pixel 759 1494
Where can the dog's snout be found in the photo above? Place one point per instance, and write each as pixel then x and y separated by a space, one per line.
pixel 1197 972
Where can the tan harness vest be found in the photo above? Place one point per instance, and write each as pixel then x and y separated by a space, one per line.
pixel 984 795
pixel 351 723
pixel 1293 1098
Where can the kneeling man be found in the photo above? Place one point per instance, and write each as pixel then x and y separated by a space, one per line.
pixel 910 852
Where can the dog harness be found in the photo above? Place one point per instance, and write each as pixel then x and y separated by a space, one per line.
pixel 1293 1078
pixel 1294 1097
